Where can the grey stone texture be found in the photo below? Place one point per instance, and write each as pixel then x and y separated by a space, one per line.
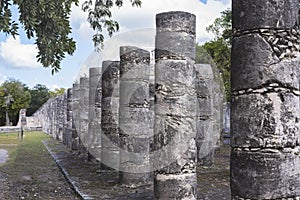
pixel 265 100
pixel 264 14
pixel 83 116
pixel 70 129
pixel 175 108
pixel 134 116
pixel 175 35
pixel 76 116
pixel 110 115
pixel 205 140
pixel 94 129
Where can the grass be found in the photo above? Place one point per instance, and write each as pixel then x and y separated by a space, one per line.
pixel 31 171
pixel 9 142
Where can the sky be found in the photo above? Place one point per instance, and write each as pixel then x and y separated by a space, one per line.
pixel 18 56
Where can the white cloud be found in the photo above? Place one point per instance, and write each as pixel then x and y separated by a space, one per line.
pixel 131 18
pixel 17 54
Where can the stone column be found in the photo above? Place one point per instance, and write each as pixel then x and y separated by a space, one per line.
pixel 175 108
pixel 109 115
pixel 265 161
pixel 94 113
pixel 206 140
pixel 65 118
pixel 134 116
pixel 55 119
pixel 69 118
pixel 75 116
pixel 84 116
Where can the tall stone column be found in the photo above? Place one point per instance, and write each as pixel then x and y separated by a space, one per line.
pixel 175 108
pixel 69 118
pixel 134 116
pixel 265 161
pixel 94 113
pixel 65 122
pixel 84 116
pixel 110 115
pixel 205 140
pixel 75 116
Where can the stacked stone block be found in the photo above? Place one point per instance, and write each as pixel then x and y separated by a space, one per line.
pixel 110 115
pixel 205 140
pixel 76 116
pixel 69 130
pixel 134 116
pixel 175 108
pixel 94 130
pixel 83 116
pixel 265 100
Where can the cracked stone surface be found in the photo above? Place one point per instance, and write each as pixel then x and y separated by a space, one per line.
pixel 134 116
pixel 176 106
pixel 110 114
pixel 265 108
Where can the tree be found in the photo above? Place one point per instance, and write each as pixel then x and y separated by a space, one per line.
pixel 219 48
pixel 48 22
pixel 18 96
pixel 39 95
pixel 57 92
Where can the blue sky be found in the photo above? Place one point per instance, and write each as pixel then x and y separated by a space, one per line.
pixel 17 56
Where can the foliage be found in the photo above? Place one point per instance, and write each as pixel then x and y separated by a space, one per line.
pixel 100 16
pixel 39 95
pixel 219 48
pixel 57 92
pixel 48 22
pixel 222 27
pixel 45 20
pixel 20 99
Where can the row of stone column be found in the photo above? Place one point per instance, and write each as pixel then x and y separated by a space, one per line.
pixel 109 114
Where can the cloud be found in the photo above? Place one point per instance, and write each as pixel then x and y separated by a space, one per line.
pixel 17 54
pixel 131 18
pixel 136 18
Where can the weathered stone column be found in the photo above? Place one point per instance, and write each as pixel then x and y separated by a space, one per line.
pixel 69 118
pixel 175 108
pixel 205 140
pixel 65 122
pixel 110 156
pixel 265 161
pixel 134 117
pixel 84 116
pixel 94 113
pixel 76 116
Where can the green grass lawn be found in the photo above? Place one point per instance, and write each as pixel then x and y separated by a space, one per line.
pixel 9 142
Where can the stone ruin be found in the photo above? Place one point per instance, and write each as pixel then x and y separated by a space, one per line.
pixel 148 129
pixel 187 99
